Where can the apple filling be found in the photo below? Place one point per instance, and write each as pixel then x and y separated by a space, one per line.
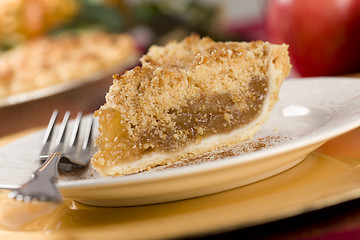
pixel 208 115
pixel 202 117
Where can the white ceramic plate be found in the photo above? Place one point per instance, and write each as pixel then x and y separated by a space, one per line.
pixel 310 112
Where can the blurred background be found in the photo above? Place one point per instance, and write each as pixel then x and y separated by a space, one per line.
pixel 93 37
pixel 22 20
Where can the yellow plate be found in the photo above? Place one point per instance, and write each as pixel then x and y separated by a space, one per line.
pixel 318 181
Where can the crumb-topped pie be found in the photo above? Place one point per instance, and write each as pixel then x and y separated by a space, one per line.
pixel 187 98
pixel 46 61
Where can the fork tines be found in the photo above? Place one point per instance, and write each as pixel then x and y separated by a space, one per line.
pixel 41 185
pixel 73 152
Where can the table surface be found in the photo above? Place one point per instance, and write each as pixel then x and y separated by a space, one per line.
pixel 330 219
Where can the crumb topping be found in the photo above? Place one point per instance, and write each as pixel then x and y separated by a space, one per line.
pixel 171 75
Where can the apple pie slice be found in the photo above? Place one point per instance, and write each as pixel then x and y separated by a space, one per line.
pixel 187 98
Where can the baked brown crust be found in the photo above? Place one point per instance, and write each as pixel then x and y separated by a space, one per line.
pixel 46 61
pixel 153 96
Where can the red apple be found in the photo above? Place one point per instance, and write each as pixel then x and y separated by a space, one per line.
pixel 323 35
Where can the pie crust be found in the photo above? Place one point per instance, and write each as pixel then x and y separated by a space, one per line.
pixel 187 98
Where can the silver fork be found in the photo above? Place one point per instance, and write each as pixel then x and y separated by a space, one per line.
pixel 41 186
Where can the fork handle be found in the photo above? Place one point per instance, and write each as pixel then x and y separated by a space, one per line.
pixel 49 169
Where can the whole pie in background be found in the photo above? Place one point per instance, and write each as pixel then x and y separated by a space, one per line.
pixel 50 60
